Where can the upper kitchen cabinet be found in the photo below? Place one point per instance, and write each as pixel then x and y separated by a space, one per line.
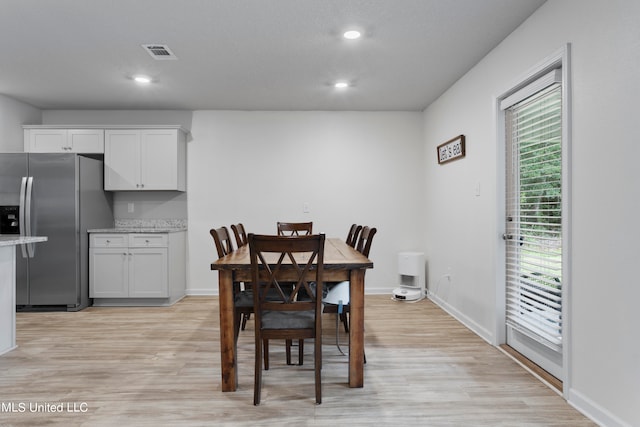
pixel 145 159
pixel 38 139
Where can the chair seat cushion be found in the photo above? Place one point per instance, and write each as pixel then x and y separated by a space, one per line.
pixel 288 320
pixel 244 299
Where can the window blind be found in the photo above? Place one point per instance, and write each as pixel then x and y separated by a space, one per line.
pixel 534 215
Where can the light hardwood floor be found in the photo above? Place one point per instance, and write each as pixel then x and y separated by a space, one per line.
pixel 161 367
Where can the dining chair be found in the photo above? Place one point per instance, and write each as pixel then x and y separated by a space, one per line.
pixel 295 228
pixel 335 295
pixel 243 299
pixel 278 258
pixel 352 236
pixel 337 298
pixel 240 234
pixel 365 240
pixel 222 240
pixel 241 240
pixel 363 246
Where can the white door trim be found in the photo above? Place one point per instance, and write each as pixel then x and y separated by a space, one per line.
pixel 562 58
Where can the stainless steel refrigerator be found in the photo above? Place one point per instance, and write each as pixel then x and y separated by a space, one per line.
pixel 59 196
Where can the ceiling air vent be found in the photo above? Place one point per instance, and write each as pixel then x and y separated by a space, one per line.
pixel 159 51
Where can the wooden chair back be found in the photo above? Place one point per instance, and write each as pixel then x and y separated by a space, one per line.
pixel 276 260
pixel 365 240
pixel 295 228
pixel 222 239
pixel 352 236
pixel 240 234
pixel 243 300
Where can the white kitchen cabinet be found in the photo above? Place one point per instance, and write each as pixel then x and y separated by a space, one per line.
pixel 109 272
pixel 137 268
pixel 144 159
pixel 58 140
pixel 148 273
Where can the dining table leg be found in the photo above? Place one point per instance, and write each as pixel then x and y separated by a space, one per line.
pixel 228 350
pixel 356 329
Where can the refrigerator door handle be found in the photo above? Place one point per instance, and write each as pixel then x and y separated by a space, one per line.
pixel 30 246
pixel 21 213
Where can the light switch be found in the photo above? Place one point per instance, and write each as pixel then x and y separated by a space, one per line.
pixel 130 208
pixel 305 207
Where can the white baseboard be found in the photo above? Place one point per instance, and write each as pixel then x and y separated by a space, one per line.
pixel 214 292
pixel 581 403
pixel 460 317
pixel 202 292
pixel 593 411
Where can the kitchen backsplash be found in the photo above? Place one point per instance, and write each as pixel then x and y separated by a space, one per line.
pixel 151 223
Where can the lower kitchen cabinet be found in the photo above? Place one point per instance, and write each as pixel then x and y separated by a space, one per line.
pixel 137 268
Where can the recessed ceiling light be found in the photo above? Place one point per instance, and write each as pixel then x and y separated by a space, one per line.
pixel 341 85
pixel 352 34
pixel 142 79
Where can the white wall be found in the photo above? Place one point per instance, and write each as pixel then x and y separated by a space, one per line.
pixel 463 231
pixel 14 114
pixel 260 167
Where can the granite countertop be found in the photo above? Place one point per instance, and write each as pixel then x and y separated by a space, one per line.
pixel 144 226
pixel 14 239
pixel 138 230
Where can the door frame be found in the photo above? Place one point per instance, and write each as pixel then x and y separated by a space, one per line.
pixel 559 58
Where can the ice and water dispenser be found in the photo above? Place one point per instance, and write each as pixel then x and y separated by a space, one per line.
pixel 9 220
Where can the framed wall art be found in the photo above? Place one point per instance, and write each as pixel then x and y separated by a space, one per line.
pixel 451 150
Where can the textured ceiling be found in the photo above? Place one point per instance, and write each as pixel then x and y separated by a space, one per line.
pixel 246 54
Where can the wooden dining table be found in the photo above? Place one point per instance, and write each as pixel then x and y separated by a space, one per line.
pixel 341 262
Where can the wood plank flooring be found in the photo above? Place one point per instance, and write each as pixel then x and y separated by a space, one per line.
pixel 529 364
pixel 161 367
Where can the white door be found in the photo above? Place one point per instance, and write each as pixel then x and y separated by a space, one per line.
pixel 534 210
